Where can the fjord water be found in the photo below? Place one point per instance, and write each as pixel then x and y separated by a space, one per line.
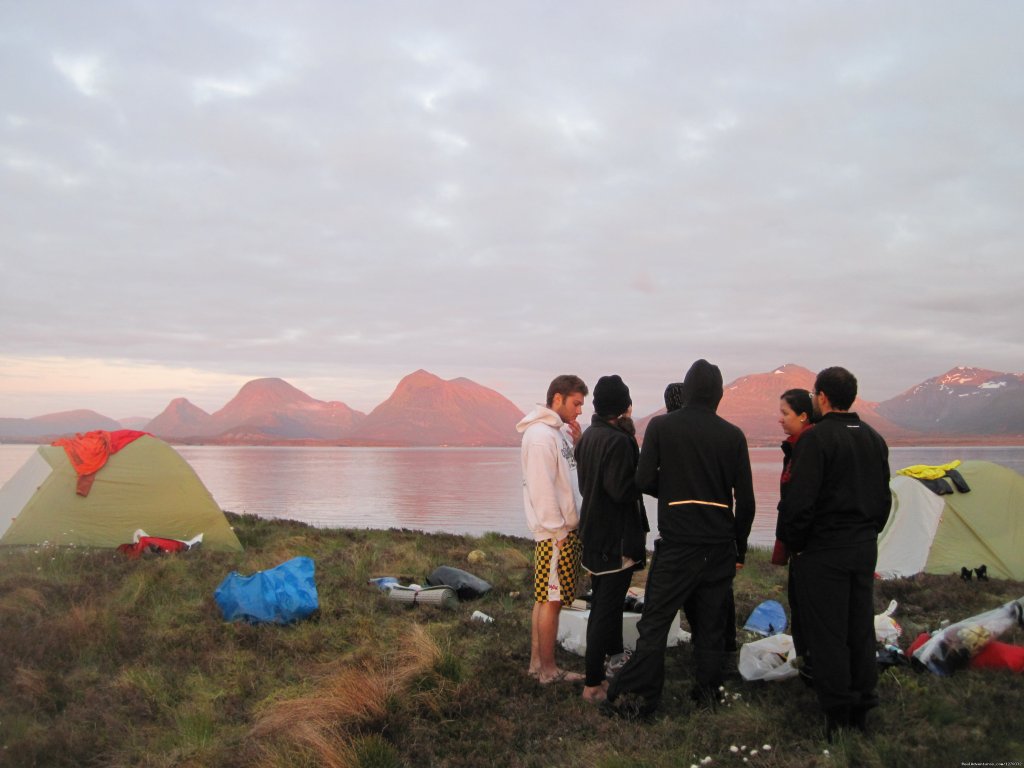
pixel 458 490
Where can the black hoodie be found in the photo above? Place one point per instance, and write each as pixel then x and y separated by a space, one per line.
pixel 697 465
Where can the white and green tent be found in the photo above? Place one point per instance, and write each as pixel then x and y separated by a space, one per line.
pixel 930 533
pixel 146 485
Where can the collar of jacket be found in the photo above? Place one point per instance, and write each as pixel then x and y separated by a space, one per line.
pixel 790 442
pixel 601 421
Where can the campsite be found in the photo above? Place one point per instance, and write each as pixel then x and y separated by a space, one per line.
pixel 116 662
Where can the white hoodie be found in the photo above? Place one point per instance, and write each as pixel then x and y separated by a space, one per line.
pixel 551 494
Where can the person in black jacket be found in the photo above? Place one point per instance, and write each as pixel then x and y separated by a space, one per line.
pixel 613 523
pixel 837 503
pixel 697 465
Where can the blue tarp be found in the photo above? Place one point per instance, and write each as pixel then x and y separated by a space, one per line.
pixel 769 618
pixel 281 595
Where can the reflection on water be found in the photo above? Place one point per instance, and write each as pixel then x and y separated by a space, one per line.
pixel 459 490
pixel 465 490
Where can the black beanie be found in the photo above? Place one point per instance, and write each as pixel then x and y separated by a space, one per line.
pixel 611 396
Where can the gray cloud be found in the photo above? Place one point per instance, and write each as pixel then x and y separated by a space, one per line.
pixel 341 193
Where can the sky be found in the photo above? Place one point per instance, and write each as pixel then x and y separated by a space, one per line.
pixel 198 194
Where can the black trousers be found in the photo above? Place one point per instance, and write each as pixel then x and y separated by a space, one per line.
pixel 679 572
pixel 604 627
pixel 835 594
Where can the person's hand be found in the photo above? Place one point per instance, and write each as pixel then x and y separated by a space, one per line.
pixel 575 430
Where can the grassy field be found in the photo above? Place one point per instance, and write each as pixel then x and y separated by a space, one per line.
pixel 110 662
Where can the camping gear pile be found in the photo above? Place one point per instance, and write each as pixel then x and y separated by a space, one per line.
pixel 446 587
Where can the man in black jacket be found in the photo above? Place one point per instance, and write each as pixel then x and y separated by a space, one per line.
pixel 837 503
pixel 697 465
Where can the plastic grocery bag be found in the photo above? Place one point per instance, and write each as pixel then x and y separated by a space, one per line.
pixel 280 595
pixel 952 648
pixel 887 631
pixel 770 658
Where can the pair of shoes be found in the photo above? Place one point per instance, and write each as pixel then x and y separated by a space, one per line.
pixel 615 663
pixel 562 676
pixel 981 572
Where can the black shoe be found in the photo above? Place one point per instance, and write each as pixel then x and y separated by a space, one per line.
pixel 859 719
pixel 981 572
pixel 705 696
pixel 965 573
pixel 630 707
pixel 836 719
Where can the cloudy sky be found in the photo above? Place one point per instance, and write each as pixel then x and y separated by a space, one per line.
pixel 196 194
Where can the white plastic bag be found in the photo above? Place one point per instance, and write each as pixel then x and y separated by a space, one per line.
pixel 887 631
pixel 770 658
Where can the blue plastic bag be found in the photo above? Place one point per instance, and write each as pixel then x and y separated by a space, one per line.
pixel 281 595
pixel 769 618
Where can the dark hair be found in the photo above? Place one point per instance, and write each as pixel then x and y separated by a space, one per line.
pixel 565 385
pixel 674 396
pixel 799 400
pixel 839 386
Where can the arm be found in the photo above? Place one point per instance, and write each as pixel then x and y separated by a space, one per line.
pixel 650 461
pixel 885 495
pixel 619 476
pixel 802 493
pixel 541 478
pixel 744 499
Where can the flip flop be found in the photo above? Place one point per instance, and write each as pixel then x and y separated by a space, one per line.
pixel 562 676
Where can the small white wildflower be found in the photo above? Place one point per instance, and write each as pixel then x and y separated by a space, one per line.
pixel 825 753
pixel 706 760
pixel 753 752
pixel 734 749
pixel 767 747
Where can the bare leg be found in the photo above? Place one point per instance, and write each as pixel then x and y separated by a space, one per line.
pixel 535 641
pixel 547 635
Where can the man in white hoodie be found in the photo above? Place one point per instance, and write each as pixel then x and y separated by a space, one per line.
pixel 551 498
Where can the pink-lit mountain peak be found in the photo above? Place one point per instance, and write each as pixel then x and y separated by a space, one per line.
pixel 265 393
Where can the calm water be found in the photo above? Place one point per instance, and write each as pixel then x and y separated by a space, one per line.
pixel 470 490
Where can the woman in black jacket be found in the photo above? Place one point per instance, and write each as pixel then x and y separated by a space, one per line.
pixel 613 523
pixel 795 417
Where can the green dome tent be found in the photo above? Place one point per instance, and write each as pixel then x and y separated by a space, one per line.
pixel 145 485
pixel 942 534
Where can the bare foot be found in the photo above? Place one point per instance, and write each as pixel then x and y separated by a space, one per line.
pixel 594 694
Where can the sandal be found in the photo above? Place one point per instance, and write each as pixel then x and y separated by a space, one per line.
pixel 562 676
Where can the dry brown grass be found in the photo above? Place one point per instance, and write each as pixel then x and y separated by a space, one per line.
pixel 325 726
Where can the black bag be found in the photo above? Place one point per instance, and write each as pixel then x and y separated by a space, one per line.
pixel 466 585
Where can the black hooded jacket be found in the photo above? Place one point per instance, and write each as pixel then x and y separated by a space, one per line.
pixel 613 522
pixel 697 465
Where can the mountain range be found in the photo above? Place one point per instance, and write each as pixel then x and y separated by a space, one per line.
pixel 963 404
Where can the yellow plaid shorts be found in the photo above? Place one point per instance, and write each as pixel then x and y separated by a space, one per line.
pixel 556 575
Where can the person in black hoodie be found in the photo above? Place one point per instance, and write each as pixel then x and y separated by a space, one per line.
pixel 613 523
pixel 697 465
pixel 836 504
